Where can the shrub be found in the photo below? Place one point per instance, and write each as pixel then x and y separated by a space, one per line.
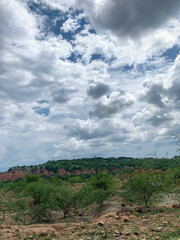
pixel 142 187
pixel 66 198
pixel 43 199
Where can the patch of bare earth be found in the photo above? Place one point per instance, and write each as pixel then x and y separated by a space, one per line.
pixel 122 223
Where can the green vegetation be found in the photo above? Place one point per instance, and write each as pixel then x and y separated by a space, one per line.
pixel 66 198
pixel 110 164
pixel 35 198
pixel 142 187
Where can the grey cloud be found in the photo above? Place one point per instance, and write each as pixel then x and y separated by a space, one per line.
pixel 131 17
pixel 103 111
pixel 88 131
pixel 115 105
pixel 158 119
pixel 175 131
pixel 174 93
pixel 98 91
pixel 157 93
pixel 61 95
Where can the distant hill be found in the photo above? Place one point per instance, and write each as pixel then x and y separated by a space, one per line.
pixel 88 166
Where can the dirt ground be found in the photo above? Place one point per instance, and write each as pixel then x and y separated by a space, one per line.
pixel 113 221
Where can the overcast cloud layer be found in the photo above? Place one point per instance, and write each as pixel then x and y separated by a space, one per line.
pixel 85 78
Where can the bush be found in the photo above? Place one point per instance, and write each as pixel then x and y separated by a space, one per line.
pixel 43 199
pixel 142 187
pixel 66 198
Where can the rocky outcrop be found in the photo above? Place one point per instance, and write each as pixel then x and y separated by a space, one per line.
pixel 17 173
pixel 13 174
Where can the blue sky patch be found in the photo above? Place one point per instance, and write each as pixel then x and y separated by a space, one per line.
pixel 171 53
pixel 42 101
pixel 42 111
pixel 54 20
pixel 97 56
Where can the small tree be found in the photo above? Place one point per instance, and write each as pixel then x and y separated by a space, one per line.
pixel 102 187
pixel 43 199
pixel 100 195
pixel 142 187
pixel 66 198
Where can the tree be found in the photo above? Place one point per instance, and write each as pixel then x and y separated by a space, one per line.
pixel 102 187
pixel 43 198
pixel 66 198
pixel 100 195
pixel 102 181
pixel 142 187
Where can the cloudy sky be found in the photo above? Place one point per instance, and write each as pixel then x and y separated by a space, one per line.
pixel 80 78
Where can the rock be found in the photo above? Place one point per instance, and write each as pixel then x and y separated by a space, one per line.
pixel 126 218
pixel 104 236
pixel 165 222
pixel 143 236
pixel 157 237
pixel 116 231
pixel 159 229
pixel 101 224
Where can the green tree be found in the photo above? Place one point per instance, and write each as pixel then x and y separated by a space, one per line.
pixel 143 187
pixel 43 195
pixel 66 198
pixel 102 181
pixel 32 178
pixel 100 195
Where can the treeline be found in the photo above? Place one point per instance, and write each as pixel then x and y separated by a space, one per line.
pixel 111 165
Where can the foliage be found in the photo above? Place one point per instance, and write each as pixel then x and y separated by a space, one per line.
pixel 142 187
pixel 32 178
pixel 77 179
pixel 102 181
pixel 97 190
pixel 100 195
pixel 43 199
pixel 172 178
pixel 66 198
pixel 111 164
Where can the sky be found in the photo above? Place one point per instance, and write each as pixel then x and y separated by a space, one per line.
pixel 80 78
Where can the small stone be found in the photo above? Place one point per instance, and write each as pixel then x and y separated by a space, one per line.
pixel 165 222
pixel 101 224
pixel 116 231
pixel 104 236
pixel 157 237
pixel 126 219
pixel 159 229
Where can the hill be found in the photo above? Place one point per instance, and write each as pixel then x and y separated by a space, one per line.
pixel 89 166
